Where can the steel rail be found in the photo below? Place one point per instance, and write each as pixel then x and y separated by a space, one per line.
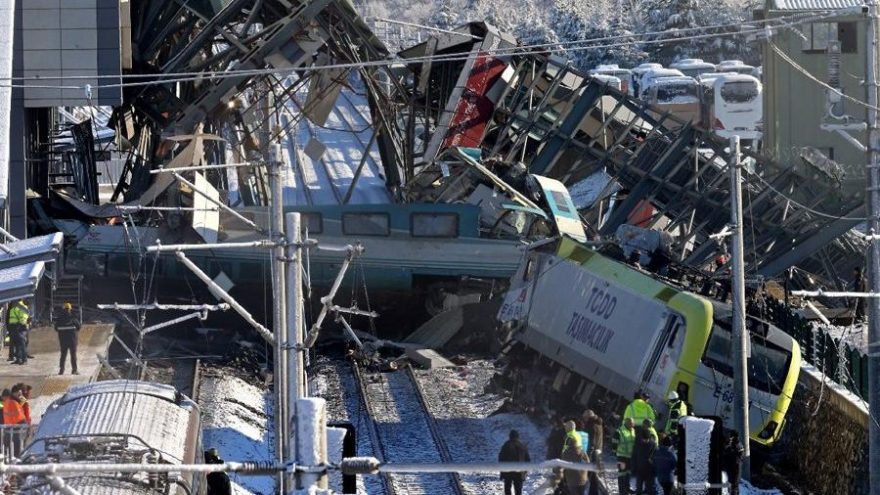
pixel 378 447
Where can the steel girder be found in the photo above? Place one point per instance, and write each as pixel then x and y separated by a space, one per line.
pixel 791 212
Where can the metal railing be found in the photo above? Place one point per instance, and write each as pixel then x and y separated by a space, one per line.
pixel 841 362
pixel 13 440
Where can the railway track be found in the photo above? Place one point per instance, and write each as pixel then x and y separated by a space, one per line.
pixel 402 429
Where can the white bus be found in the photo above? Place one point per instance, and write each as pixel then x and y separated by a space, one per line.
pixel 679 96
pixel 625 75
pixel 613 81
pixel 637 73
pixel 693 67
pixel 735 66
pixel 732 105
pixel 648 77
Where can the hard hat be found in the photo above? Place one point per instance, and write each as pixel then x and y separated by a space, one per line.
pixel 673 395
pixel 68 306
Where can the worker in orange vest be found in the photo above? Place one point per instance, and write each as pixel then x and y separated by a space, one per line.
pixel 13 414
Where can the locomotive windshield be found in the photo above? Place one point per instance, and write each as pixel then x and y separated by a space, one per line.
pixel 768 363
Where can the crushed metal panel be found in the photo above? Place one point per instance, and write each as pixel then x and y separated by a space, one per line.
pixel 315 149
pixel 206 217
pixel 323 92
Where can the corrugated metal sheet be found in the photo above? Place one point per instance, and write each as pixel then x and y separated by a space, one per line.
pixel 815 5
pixel 90 486
pixel 144 410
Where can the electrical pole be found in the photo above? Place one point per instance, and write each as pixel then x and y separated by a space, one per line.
pixel 296 385
pixel 740 333
pixel 873 268
pixel 272 159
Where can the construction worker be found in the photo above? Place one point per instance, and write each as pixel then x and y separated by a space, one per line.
pixel 677 409
pixel 67 327
pixel 623 440
pixel 639 409
pixel 19 316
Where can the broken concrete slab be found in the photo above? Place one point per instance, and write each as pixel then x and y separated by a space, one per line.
pixel 428 358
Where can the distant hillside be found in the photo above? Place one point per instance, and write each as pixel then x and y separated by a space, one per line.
pixel 561 21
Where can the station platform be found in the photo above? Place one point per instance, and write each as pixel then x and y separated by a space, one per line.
pixel 41 372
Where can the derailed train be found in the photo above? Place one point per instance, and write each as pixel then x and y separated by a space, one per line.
pixel 589 330
pixel 119 421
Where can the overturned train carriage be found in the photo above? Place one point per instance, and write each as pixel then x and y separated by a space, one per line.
pixel 119 421
pixel 590 331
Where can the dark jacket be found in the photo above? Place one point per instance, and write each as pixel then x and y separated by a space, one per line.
pixel 643 455
pixel 664 465
pixel 66 322
pixel 555 441
pixel 514 451
pixel 731 460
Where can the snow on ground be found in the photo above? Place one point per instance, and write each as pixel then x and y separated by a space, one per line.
pixel 236 420
pixel 457 398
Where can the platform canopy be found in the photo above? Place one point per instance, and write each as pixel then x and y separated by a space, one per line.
pixel 44 248
pixel 20 282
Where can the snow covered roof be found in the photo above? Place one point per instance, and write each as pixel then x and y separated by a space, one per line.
pixel 40 248
pixel 815 4
pixel 20 281
pixel 140 412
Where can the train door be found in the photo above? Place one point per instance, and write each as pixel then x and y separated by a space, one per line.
pixel 664 360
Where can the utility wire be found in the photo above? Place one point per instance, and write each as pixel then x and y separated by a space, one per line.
pixel 519 50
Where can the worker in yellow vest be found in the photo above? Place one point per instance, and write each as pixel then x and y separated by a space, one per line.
pixel 623 440
pixel 639 409
pixel 19 317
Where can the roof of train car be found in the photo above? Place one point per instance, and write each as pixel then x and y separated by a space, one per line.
pixel 92 485
pixel 155 414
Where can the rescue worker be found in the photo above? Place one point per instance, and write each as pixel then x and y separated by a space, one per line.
pixel 513 450
pixel 664 465
pixel 13 415
pixel 25 401
pixel 67 327
pixel 643 462
pixel 218 482
pixel 19 315
pixel 623 440
pixel 648 425
pixel 859 286
pixel 677 410
pixel 572 451
pixel 731 461
pixel 639 409
pixel 596 430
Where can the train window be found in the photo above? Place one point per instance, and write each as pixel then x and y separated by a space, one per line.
pixel 561 201
pixel 366 224
pixel 768 363
pixel 313 222
pixel 434 224
pixel 82 263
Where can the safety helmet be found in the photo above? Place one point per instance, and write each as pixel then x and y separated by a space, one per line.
pixel 673 395
pixel 68 306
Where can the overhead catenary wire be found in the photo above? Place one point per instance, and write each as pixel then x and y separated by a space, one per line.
pixel 816 80
pixel 546 48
